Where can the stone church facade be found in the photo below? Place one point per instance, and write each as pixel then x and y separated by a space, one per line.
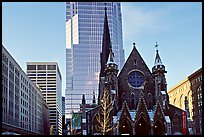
pixel 137 96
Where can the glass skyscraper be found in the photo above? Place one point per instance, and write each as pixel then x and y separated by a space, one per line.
pixel 84 35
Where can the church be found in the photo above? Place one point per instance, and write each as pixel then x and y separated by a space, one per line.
pixel 134 101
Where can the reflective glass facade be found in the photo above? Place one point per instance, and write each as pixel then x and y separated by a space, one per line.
pixel 84 34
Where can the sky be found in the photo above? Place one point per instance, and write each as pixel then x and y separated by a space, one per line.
pixel 33 31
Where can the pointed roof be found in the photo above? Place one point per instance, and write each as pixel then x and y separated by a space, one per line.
pixel 158 113
pixel 129 64
pixel 94 99
pixel 106 45
pixel 83 99
pixel 125 112
pixel 142 110
pixel 157 59
pixel 111 57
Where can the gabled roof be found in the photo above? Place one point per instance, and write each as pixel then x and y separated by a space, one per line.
pixel 124 112
pixel 142 107
pixel 129 64
pixel 158 113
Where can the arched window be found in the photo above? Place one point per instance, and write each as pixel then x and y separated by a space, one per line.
pixel 174 101
pixel 149 100
pixel 199 88
pixel 182 98
pixel 132 100
pixel 189 97
pixel 123 97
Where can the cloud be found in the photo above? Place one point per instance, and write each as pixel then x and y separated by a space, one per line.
pixel 138 20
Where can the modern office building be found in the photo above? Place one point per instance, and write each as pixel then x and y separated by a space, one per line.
pixel 23 109
pixel 48 77
pixel 84 35
pixel 191 88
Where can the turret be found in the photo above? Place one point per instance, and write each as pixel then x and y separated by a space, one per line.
pixel 158 72
pixel 111 71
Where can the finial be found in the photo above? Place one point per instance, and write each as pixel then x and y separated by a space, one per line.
pixel 105 5
pixel 156 46
pixel 134 43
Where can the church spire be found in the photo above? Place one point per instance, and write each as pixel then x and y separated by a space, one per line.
pixel 157 59
pixel 111 56
pixel 106 44
pixel 94 99
pixel 83 99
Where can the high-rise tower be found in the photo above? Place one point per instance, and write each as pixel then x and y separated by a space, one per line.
pixel 48 77
pixel 84 36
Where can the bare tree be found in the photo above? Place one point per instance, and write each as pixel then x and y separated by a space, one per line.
pixel 104 119
pixel 51 130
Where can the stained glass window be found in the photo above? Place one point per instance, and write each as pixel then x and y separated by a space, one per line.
pixel 136 79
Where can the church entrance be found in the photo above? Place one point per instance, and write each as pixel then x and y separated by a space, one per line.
pixel 125 128
pixel 159 128
pixel 141 127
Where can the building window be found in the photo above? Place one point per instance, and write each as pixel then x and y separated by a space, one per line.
pixel 199 88
pixel 51 67
pixel 123 97
pixel 41 67
pixel 31 67
pixel 132 100
pixel 199 96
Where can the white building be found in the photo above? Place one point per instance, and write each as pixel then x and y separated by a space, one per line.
pixel 47 76
pixel 22 101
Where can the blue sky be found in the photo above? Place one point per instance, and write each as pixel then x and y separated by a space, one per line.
pixel 36 32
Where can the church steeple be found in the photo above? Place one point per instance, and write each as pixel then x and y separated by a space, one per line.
pixel 111 56
pixel 106 45
pixel 158 72
pixel 94 99
pixel 157 59
pixel 158 65
pixel 83 99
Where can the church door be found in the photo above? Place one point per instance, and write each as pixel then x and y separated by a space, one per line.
pixel 141 127
pixel 159 128
pixel 125 128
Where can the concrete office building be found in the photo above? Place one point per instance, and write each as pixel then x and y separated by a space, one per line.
pixel 23 109
pixel 191 88
pixel 84 36
pixel 47 76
